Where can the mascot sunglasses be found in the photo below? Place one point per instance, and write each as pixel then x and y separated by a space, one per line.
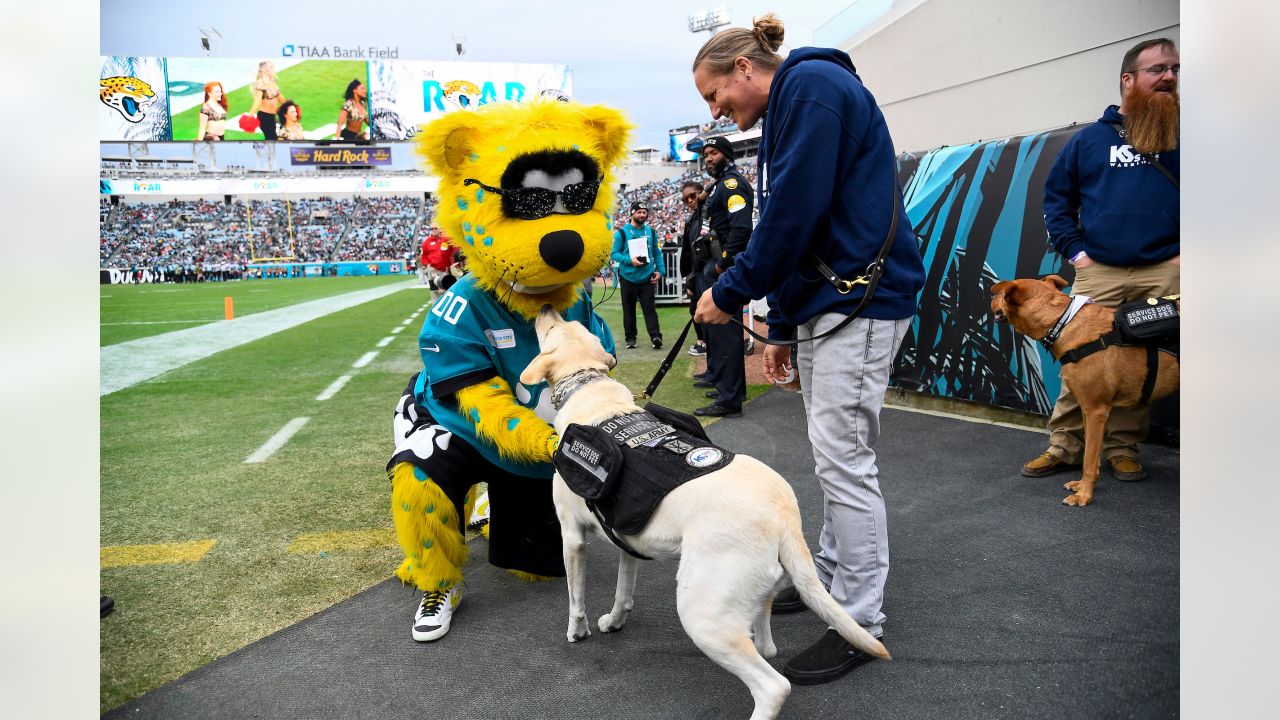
pixel 532 203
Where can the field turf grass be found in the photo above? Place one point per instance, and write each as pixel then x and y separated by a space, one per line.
pixel 128 312
pixel 292 535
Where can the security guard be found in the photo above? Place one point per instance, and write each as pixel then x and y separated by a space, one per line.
pixel 728 208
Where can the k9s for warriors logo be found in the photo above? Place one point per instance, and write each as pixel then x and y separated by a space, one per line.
pixel 1124 156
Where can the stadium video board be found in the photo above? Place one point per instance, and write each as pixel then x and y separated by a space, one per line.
pixel 156 99
pixel 677 139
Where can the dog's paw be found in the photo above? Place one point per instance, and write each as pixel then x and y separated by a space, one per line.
pixel 1073 486
pixel 578 630
pixel 609 623
pixel 1077 500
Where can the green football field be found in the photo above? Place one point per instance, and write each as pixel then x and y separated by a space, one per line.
pixel 127 312
pixel 204 552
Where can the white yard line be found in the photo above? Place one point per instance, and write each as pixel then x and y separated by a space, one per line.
pixel 161 322
pixel 397 329
pixel 333 388
pixel 407 321
pixel 277 441
pixel 386 341
pixel 129 363
pixel 365 359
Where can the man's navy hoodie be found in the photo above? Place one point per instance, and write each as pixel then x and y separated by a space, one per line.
pixel 827 187
pixel 1103 198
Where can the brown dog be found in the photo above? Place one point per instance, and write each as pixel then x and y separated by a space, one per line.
pixel 1109 378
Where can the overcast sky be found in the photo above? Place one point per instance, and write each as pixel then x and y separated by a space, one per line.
pixel 634 55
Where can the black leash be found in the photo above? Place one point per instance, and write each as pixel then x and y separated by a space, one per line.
pixel 666 364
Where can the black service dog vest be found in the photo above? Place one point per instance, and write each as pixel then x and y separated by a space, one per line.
pixel 625 466
pixel 1151 323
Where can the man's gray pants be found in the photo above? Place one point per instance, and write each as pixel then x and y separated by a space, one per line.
pixel 843 379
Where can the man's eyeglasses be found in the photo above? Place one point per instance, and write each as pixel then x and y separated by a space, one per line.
pixel 1158 70
pixel 532 203
pixel 690 196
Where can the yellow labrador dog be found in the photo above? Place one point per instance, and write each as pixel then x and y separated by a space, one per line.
pixel 736 531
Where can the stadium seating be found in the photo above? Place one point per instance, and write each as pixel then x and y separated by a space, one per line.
pixel 196 240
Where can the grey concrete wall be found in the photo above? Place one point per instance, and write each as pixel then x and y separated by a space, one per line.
pixel 952 72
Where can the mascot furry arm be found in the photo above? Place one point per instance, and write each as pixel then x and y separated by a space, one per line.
pixel 515 430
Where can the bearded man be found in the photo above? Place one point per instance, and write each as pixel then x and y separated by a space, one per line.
pixel 1111 208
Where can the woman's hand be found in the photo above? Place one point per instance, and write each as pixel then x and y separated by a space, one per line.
pixel 707 311
pixel 777 363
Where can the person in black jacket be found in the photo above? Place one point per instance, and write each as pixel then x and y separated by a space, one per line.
pixel 693 255
pixel 728 207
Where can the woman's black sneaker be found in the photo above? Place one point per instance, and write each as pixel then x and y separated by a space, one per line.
pixel 824 661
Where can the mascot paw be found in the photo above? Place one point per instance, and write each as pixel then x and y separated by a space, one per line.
pixel 530 577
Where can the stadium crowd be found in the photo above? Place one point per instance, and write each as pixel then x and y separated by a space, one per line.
pixel 667 214
pixel 197 240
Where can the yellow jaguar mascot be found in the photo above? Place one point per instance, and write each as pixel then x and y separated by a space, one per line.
pixel 525 193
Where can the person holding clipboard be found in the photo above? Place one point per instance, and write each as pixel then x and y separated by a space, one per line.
pixel 635 249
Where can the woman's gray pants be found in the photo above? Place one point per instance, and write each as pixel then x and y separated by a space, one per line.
pixel 843 379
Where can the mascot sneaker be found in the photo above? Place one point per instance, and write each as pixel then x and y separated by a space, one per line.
pixel 435 612
pixel 479 513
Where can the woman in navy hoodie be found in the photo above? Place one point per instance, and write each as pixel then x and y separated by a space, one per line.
pixel 827 188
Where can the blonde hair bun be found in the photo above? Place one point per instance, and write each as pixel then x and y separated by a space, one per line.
pixel 768 31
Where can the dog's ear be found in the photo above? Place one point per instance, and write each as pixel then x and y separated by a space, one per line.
pixel 1011 290
pixel 1057 281
pixel 537 370
pixel 447 142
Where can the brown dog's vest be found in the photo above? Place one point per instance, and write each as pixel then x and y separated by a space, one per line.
pixel 1151 323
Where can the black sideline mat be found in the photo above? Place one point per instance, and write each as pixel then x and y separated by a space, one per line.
pixel 1001 603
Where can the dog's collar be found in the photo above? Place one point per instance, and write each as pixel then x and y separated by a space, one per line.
pixel 1077 302
pixel 569 384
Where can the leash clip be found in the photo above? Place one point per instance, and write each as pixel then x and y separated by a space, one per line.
pixel 844 287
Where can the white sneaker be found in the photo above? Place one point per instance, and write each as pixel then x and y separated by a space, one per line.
pixel 431 622
pixel 480 512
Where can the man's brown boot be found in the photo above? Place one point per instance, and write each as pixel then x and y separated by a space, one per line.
pixel 1126 468
pixel 1045 464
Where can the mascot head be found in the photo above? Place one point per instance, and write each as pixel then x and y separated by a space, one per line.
pixel 526 193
